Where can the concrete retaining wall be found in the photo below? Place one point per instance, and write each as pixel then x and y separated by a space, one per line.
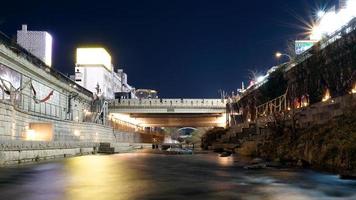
pixel 13 157
pixel 15 122
pixel 13 152
pixel 70 138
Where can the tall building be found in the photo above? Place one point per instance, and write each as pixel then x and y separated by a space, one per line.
pixel 95 72
pixel 39 43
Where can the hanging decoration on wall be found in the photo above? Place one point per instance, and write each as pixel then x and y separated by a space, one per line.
pixel 40 100
pixel 4 87
pixel 19 89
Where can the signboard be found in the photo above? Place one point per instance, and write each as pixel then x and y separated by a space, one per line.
pixel 302 45
pixel 94 56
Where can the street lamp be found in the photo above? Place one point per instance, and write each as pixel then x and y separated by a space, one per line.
pixel 279 54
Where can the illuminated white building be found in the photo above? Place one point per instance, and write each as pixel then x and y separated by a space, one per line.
pixel 95 72
pixel 39 43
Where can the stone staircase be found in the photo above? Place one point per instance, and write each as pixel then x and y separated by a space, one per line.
pixel 106 148
pixel 234 131
pixel 111 148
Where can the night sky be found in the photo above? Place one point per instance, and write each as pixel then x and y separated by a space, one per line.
pixel 182 48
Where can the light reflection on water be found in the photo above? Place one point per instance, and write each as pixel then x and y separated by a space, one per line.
pixel 226 161
pixel 93 175
pixel 149 176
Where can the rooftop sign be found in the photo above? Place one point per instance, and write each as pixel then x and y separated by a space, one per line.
pixel 94 56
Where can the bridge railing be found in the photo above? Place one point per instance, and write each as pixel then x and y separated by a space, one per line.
pixel 164 103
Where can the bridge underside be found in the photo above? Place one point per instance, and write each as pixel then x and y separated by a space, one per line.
pixel 179 120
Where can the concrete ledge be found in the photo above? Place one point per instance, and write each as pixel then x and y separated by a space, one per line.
pixel 142 146
pixel 19 145
pixel 12 157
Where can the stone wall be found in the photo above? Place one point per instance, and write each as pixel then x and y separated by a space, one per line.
pixel 322 135
pixel 17 151
pixel 70 138
pixel 14 123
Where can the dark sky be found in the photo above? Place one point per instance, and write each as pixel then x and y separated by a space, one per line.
pixel 182 48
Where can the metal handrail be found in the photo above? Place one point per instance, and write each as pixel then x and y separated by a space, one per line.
pixel 278 104
pixel 26 103
pixel 117 104
pixel 168 106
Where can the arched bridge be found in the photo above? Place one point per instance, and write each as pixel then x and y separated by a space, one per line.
pixel 170 112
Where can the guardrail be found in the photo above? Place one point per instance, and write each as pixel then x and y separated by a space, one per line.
pixel 26 103
pixel 169 103
pixel 48 109
pixel 276 105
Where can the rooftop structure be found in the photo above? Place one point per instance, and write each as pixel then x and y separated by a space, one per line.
pixel 39 43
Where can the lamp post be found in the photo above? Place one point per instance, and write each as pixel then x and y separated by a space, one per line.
pixel 279 55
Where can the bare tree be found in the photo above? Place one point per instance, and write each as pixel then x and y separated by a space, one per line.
pixel 252 75
pixel 290 49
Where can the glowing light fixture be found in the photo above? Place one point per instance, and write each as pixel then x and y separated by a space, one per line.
pixel 77 133
pixel 221 121
pixel 39 131
pixel 353 90
pixel 30 135
pixel 279 55
pixel 327 96
pixel 126 118
pixel 260 79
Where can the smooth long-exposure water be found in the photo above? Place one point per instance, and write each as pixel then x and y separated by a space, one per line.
pixel 140 176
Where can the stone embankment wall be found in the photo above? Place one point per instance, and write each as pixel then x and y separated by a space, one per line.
pixel 70 138
pixel 16 151
pixel 15 122
pixel 322 136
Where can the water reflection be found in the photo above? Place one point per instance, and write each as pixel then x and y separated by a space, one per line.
pixel 102 177
pixel 226 161
pixel 147 176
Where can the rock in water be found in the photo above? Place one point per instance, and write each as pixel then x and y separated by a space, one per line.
pixel 256 166
pixel 348 176
pixel 225 154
